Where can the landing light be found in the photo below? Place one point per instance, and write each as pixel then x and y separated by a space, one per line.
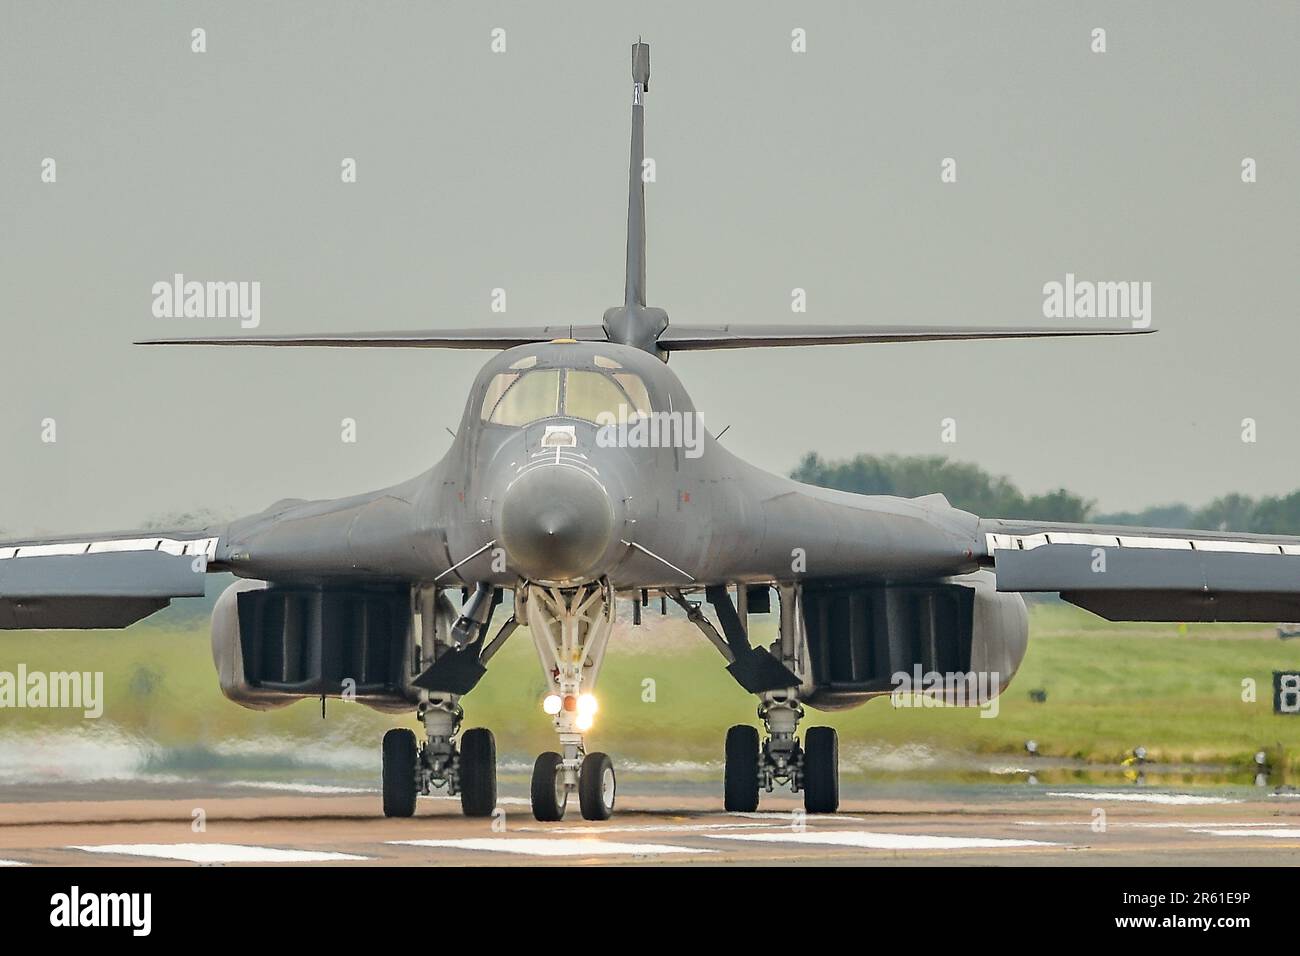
pixel 584 722
pixel 586 705
pixel 551 704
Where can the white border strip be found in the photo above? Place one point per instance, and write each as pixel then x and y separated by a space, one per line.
pixel 207 547
pixel 1027 542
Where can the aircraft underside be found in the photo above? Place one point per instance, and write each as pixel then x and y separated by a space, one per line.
pixel 839 645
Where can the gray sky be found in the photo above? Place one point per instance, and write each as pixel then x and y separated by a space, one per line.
pixel 775 170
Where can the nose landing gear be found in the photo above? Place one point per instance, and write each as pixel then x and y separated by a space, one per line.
pixel 571 628
pixel 597 786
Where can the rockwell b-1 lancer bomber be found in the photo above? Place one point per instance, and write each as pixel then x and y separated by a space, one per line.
pixel 578 476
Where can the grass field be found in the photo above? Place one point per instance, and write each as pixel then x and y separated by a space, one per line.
pixel 1176 691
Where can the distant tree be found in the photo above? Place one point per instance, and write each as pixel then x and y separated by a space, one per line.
pixel 1275 515
pixel 1229 513
pixel 1158 516
pixel 966 486
pixel 183 520
pixel 1058 505
pixel 971 488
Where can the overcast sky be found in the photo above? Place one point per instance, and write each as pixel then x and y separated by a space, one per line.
pixel 775 169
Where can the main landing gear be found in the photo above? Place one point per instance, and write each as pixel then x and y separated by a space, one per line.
pixel 467 767
pixel 458 654
pixel 812 766
pixel 777 675
pixel 571 628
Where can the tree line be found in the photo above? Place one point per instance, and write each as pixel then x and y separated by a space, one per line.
pixel 973 489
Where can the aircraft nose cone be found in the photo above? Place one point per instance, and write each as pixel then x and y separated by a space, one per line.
pixel 556 523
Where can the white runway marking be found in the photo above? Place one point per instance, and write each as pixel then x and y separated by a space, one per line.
pixel 299 787
pixel 219 853
pixel 566 847
pixel 788 815
pixel 1284 833
pixel 1186 826
pixel 880 841
pixel 501 801
pixel 650 828
pixel 12 863
pixel 1132 825
pixel 1167 799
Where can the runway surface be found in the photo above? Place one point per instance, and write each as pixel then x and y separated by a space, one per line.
pixel 184 824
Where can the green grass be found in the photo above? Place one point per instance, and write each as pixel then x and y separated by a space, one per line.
pixel 1109 687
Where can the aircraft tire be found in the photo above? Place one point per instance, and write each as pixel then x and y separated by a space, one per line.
pixel 549 795
pixel 740 772
pixel 821 770
pixel 478 772
pixel 596 787
pixel 400 755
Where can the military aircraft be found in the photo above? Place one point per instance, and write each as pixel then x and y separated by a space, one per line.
pixel 579 476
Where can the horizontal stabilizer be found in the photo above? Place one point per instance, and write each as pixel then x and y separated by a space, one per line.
pixel 673 338
pixel 477 338
pixel 679 338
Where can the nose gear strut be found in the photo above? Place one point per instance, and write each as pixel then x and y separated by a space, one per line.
pixel 571 628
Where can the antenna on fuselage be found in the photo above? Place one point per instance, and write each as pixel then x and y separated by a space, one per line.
pixel 634 323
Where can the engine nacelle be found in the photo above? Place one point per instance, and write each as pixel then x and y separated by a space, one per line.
pixel 273 645
pixel 959 640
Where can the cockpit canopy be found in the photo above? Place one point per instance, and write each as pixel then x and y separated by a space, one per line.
pixel 525 394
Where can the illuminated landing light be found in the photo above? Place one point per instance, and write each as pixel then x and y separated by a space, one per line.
pixel 584 722
pixel 586 705
pixel 551 704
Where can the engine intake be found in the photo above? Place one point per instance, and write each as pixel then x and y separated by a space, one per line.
pixel 861 636
pixel 273 645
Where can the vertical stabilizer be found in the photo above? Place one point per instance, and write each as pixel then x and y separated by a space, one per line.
pixel 634 323
pixel 635 289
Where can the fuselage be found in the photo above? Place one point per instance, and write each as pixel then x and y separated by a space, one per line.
pixel 576 461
